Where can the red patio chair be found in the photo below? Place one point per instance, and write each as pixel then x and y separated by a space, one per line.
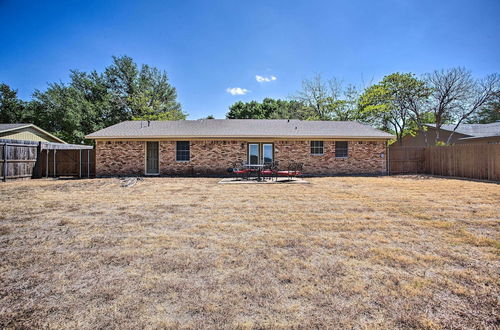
pixel 240 171
pixel 294 170
pixel 270 170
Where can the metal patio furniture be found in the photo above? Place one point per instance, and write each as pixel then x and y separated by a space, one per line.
pixel 270 170
pixel 240 171
pixel 254 169
pixel 294 170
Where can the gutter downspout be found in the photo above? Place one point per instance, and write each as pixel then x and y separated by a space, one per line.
pixel 5 162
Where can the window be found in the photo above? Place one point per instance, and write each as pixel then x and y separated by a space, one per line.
pixel 182 151
pixel 316 147
pixel 341 149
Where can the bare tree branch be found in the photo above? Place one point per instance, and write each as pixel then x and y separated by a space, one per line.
pixel 456 95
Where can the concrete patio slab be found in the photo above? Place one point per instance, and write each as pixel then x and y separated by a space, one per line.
pixel 254 181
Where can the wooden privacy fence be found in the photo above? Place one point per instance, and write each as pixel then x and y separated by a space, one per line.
pixel 77 162
pixel 18 159
pixel 29 159
pixel 475 161
pixel 404 160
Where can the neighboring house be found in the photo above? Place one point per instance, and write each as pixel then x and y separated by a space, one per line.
pixel 465 134
pixel 211 146
pixel 27 132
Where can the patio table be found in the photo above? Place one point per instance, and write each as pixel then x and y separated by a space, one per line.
pixel 258 167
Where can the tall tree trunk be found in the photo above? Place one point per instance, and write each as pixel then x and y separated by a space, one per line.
pixel 438 127
pixel 426 140
pixel 454 129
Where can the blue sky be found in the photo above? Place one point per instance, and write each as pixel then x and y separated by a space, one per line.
pixel 209 47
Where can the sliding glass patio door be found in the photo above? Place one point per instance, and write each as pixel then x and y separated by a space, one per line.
pixel 253 153
pixel 259 153
pixel 267 153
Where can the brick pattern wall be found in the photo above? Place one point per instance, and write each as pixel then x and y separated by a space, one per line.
pixel 214 157
pixel 363 158
pixel 120 158
pixel 206 157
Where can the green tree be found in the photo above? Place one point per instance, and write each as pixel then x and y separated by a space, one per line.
pixel 267 109
pixel 346 108
pixel 91 101
pixel 283 109
pixel 143 94
pixel 246 110
pixel 12 109
pixel 395 104
pixel 71 111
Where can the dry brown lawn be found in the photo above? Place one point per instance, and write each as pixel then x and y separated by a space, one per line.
pixel 359 252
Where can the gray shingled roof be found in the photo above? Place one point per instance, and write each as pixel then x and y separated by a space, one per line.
pixel 221 128
pixel 6 127
pixel 475 130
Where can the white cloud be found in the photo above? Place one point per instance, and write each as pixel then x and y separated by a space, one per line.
pixel 262 79
pixel 237 91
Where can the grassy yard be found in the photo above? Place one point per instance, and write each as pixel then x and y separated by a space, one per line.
pixel 340 252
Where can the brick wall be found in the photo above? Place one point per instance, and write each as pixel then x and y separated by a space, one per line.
pixel 214 157
pixel 206 157
pixel 363 158
pixel 119 158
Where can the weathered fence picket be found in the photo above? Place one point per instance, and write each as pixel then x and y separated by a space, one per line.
pixel 18 159
pixel 29 159
pixel 475 161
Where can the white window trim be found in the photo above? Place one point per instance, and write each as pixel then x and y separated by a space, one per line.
pixel 310 148
pixel 183 161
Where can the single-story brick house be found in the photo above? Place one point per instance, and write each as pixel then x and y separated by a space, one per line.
pixel 210 146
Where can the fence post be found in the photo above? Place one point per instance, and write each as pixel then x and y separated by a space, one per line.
pixel 80 162
pixel 5 162
pixel 88 163
pixel 37 172
pixel 55 150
